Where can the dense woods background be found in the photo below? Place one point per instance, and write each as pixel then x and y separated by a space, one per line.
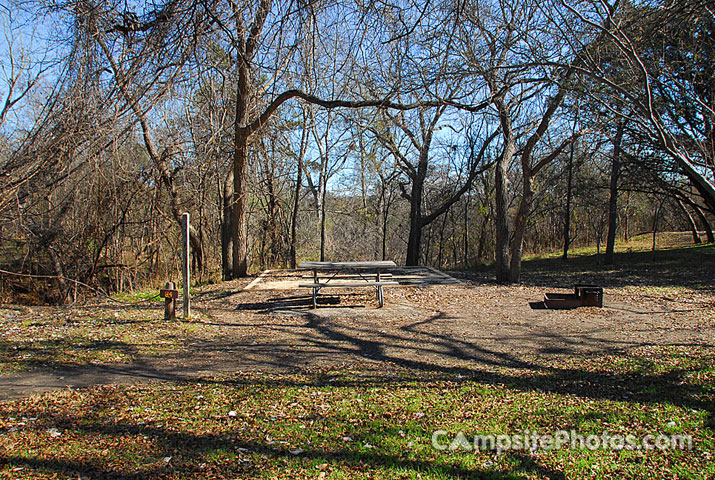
pixel 450 133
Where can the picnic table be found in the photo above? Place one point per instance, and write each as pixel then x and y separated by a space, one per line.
pixel 365 274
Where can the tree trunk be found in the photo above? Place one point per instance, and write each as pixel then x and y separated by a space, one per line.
pixel 691 223
pixel 706 225
pixel 323 195
pixel 296 198
pixel 294 215
pixel 415 236
pixel 240 168
pixel 416 221
pixel 567 212
pixel 60 272
pixel 226 230
pixel 698 179
pixel 385 217
pixel 501 182
pixel 379 208
pixel 273 231
pixel 466 233
pixel 413 243
pixel 613 197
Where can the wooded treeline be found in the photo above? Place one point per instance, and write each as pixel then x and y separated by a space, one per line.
pixel 447 132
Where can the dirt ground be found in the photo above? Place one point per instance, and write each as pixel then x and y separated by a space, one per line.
pixel 470 328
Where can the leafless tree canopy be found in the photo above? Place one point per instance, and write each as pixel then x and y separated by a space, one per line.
pixel 451 133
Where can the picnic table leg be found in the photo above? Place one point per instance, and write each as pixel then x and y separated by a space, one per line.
pixel 315 289
pixel 380 298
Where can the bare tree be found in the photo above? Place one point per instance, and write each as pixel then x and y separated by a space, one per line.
pixel 527 92
pixel 420 136
pixel 666 81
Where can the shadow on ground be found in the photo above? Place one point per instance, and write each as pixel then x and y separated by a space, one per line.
pixel 282 342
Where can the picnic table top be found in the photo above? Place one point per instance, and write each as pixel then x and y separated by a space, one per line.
pixel 346 265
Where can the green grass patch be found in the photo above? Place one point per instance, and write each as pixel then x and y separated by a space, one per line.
pixel 676 266
pixel 673 266
pixel 304 426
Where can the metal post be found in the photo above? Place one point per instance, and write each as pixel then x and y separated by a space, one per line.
pixel 186 263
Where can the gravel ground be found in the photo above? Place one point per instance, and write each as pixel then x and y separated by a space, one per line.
pixel 472 328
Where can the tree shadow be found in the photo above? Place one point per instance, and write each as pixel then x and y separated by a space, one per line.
pixel 313 347
pixel 189 454
pixel 416 353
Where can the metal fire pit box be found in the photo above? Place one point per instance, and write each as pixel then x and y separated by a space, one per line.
pixel 583 296
pixel 590 295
